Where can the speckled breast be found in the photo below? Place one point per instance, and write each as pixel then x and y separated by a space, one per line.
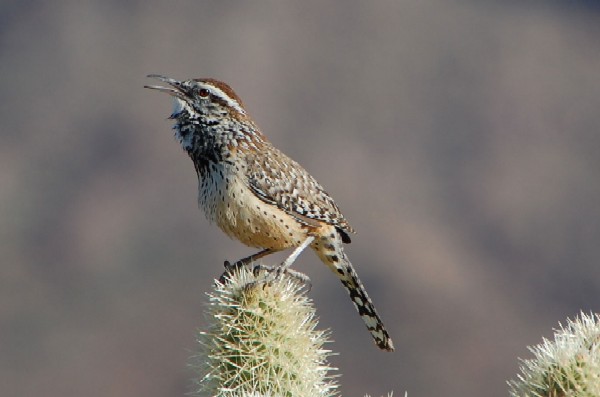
pixel 229 202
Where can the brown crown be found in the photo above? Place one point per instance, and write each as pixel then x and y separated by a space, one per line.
pixel 223 87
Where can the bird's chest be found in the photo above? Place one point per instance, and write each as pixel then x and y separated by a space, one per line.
pixel 228 201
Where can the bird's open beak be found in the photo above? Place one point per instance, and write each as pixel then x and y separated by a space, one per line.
pixel 175 88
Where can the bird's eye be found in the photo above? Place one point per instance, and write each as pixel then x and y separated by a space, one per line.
pixel 203 92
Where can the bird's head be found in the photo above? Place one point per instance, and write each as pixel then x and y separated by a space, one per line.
pixel 199 106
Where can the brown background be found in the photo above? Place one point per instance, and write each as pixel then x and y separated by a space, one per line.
pixel 460 139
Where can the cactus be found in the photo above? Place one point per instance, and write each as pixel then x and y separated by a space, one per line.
pixel 567 366
pixel 262 340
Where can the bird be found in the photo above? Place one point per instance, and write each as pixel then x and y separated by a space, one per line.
pixel 257 194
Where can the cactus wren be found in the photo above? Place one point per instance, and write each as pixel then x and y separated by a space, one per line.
pixel 257 194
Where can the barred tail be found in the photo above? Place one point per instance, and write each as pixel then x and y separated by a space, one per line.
pixel 333 255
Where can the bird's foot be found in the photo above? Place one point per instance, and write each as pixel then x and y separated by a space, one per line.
pixel 275 272
pixel 230 268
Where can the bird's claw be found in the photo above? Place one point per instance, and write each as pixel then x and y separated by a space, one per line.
pixel 275 272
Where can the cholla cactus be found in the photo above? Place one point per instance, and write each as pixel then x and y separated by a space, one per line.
pixel 262 341
pixel 567 366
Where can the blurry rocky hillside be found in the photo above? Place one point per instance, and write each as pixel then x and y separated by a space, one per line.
pixel 460 138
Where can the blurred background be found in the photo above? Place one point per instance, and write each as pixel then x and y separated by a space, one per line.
pixel 460 138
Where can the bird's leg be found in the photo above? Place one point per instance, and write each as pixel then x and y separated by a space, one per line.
pixel 229 267
pixel 292 258
pixel 277 271
pixel 285 266
pixel 301 277
pixel 244 261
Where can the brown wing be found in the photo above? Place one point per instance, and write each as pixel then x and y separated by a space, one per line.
pixel 281 181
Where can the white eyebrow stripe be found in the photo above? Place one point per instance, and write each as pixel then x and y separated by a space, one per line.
pixel 230 101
